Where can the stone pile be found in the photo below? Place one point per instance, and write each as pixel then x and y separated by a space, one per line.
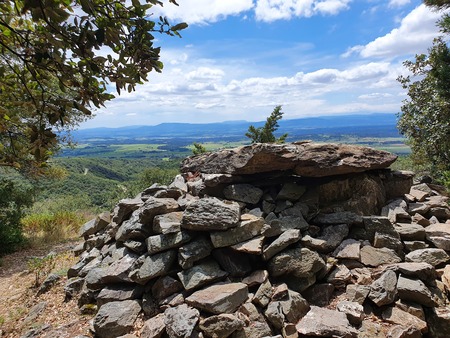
pixel 253 242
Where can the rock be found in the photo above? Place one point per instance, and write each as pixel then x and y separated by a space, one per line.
pixel 415 245
pixel 432 256
pixel 397 316
pixel 235 263
pixel 415 291
pixel 154 327
pixel 374 257
pixel 383 290
pixel 167 223
pixel 256 278
pixel 165 287
pixel 180 321
pixel 263 295
pixel 369 329
pixel 300 262
pixel 201 274
pixel 388 241
pixel 154 266
pixel 282 242
pixel 353 310
pixel 348 249
pixel 165 242
pixel 135 246
pixel 340 276
pixel 404 332
pixel 396 211
pixel 279 225
pixel 35 312
pixel 357 293
pixel 132 228
pixel 319 294
pixel 156 206
pixel 194 251
pixel 439 235
pixel 220 326
pixel 244 231
pixel 343 217
pixel 419 219
pixel 304 158
pixel 246 193
pixel 219 298
pixel 179 183
pixel 252 246
pixel 331 237
pixel 446 277
pixel 209 214
pixel 118 293
pixel 124 209
pixel 382 225
pixel 439 322
pixel 95 225
pixel 423 271
pixel 116 318
pixel 411 307
pixel 323 322
pixel 410 231
pixel 291 192
pixel 48 283
pixel 73 287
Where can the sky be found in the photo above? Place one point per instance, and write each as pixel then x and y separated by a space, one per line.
pixel 238 59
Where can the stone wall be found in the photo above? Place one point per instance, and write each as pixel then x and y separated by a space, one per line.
pixel 256 250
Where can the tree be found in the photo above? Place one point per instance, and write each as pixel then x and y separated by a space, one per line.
pixel 425 116
pixel 265 134
pixel 198 148
pixel 56 59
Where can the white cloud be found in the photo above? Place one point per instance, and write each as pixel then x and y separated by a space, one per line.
pixel 271 10
pixel 414 35
pixel 205 73
pixel 204 11
pixel 398 3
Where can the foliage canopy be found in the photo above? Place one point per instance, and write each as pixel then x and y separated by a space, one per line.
pixel 56 59
pixel 265 134
pixel 425 117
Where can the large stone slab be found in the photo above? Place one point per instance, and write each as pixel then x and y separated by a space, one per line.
pixel 219 298
pixel 303 158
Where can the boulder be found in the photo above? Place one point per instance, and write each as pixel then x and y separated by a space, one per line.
pixel 383 291
pixel 180 321
pixel 246 193
pixel 221 326
pixel 303 158
pixel 115 319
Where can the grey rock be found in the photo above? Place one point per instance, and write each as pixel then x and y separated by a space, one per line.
pixel 298 209
pixel 154 266
pixel 353 310
pixel 410 231
pixel 167 223
pixel 73 287
pixel 116 318
pixel 221 326
pixel 165 286
pixel 35 312
pixel 124 209
pixel 396 211
pixel 291 192
pixel 246 193
pixel 165 242
pixel 340 276
pixel 439 235
pixel 257 277
pixel 374 257
pixel 418 208
pixel 414 245
pixel 357 293
pixel 423 271
pixel 263 295
pixel 415 290
pixel 154 327
pixel 432 256
pixel 282 242
pixel 180 321
pixel 219 298
pixel 323 322
pixel 279 225
pixel 319 294
pixel 388 241
pixel 342 217
pixel 419 219
pixel 379 224
pixel 404 332
pixel 245 230
pixel 438 320
pixel 348 249
pixel 48 283
pixel 397 316
pixel 441 213
pixel 209 214
pixel 112 293
pixel 369 329
pixel 304 158
pixel 135 246
pixel 194 251
pixel 411 307
pixel 156 206
pixel 252 246
pixel 383 290
pixel 331 237
pixel 300 262
pixel 235 263
pixel 95 225
pixel 201 274
pixel 132 228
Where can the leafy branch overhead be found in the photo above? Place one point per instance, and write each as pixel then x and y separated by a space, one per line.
pixel 265 134
pixel 56 59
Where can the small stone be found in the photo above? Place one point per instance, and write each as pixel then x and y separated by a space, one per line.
pixel 167 241
pixel 432 256
pixel 222 325
pixel 282 242
pixel 357 293
pixel 180 321
pixel 263 295
pixel 415 290
pixel 256 278
pixel 246 193
pixel 253 246
pixel 374 257
pixel 353 310
pixel 201 274
pixel 154 327
pixel 383 290
pixel 397 316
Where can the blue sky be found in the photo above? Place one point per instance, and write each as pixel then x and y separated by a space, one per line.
pixel 240 58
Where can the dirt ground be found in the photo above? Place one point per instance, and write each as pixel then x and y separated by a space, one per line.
pixel 19 300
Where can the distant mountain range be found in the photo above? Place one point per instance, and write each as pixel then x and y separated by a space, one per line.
pixel 375 125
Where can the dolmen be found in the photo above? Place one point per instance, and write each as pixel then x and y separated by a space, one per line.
pixel 272 240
